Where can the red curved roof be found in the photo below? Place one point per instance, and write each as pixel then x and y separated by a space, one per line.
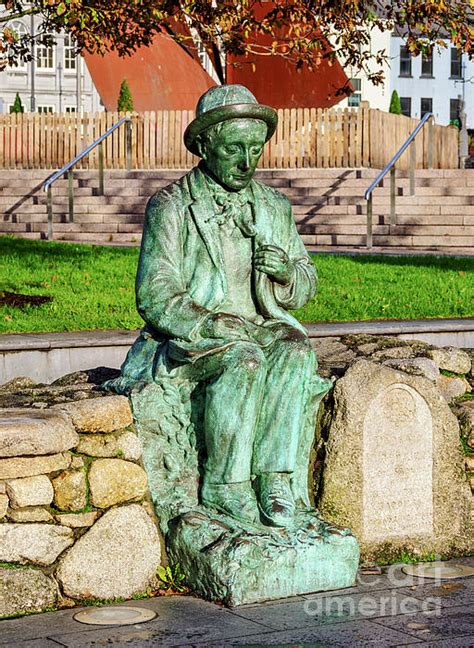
pixel 163 76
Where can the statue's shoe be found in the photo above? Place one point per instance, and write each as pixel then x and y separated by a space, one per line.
pixel 276 499
pixel 237 500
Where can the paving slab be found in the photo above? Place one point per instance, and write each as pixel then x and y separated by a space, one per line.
pixel 354 634
pixel 448 593
pixel 333 609
pixel 452 623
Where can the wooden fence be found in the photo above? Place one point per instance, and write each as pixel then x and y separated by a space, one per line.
pixel 305 137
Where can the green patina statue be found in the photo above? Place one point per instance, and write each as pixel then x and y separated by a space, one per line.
pixel 222 378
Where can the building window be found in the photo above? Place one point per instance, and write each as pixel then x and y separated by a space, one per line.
pixel 19 30
pixel 427 65
pixel 46 108
pixel 454 111
pixel 69 53
pixel 405 103
pixel 45 57
pixel 355 98
pixel 405 62
pixel 70 109
pixel 456 59
pixel 426 106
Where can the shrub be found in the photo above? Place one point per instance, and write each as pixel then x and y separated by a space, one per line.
pixel 395 106
pixel 125 101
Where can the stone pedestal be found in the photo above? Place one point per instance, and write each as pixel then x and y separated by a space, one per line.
pixel 226 561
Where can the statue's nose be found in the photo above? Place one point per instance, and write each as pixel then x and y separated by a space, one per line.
pixel 244 164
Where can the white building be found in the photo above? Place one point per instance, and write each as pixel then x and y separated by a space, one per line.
pixel 432 83
pixel 56 80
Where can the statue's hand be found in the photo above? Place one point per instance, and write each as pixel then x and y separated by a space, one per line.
pixel 274 262
pixel 224 325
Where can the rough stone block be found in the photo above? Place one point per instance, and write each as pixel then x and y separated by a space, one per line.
pixel 40 544
pixel 451 359
pixel 114 481
pixel 17 467
pixel 227 561
pixel 77 520
pixel 70 490
pixel 452 387
pixel 25 590
pixel 99 414
pixel 394 469
pixel 416 367
pixel 117 557
pixel 126 445
pixel 30 491
pixel 3 505
pixel 27 431
pixel 30 514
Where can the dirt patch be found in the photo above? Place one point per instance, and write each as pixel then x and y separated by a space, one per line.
pixel 17 300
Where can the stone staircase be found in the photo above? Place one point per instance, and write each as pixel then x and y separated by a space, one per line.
pixel 328 205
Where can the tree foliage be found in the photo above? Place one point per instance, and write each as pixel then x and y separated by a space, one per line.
pixel 395 106
pixel 125 101
pixel 299 30
pixel 17 105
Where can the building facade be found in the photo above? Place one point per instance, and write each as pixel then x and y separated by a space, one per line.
pixel 56 80
pixel 434 83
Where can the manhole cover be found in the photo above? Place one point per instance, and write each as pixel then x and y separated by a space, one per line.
pixel 438 570
pixel 115 616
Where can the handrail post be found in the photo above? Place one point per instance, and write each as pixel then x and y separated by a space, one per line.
pixel 101 168
pixel 369 222
pixel 70 195
pixel 128 143
pixel 393 213
pixel 412 167
pixel 430 142
pixel 50 213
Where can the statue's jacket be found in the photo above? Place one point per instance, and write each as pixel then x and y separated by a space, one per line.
pixel 181 277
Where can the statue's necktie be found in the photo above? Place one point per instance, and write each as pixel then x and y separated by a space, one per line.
pixel 232 209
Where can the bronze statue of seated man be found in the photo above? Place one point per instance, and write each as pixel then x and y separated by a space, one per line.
pixel 221 263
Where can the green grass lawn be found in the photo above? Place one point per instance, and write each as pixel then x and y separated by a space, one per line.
pixel 92 287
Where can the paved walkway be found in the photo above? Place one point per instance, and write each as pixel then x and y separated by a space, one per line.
pixel 381 610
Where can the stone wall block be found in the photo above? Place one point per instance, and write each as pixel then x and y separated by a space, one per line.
pixel 30 491
pixel 3 505
pixel 77 520
pixel 17 467
pixel 117 557
pixel 25 431
pixel 40 544
pixel 26 590
pixel 70 490
pixel 452 387
pixel 125 446
pixel 416 367
pixel 115 481
pixel 451 359
pixel 99 414
pixel 30 514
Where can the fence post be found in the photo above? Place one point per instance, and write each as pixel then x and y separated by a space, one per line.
pixel 393 214
pixel 369 222
pixel 430 142
pixel 70 195
pixel 50 213
pixel 101 168
pixel 128 143
pixel 412 167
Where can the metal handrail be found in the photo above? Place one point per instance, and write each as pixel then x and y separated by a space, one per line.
pixel 66 169
pixel 390 166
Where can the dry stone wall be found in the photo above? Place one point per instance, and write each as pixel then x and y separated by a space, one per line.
pixel 75 522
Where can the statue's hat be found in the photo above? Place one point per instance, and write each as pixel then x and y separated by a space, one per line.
pixel 224 102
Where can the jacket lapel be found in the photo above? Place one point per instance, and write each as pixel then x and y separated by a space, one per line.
pixel 201 206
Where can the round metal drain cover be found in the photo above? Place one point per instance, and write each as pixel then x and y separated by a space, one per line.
pixel 115 616
pixel 438 570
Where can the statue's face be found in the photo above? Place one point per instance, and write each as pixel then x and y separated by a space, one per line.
pixel 232 154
